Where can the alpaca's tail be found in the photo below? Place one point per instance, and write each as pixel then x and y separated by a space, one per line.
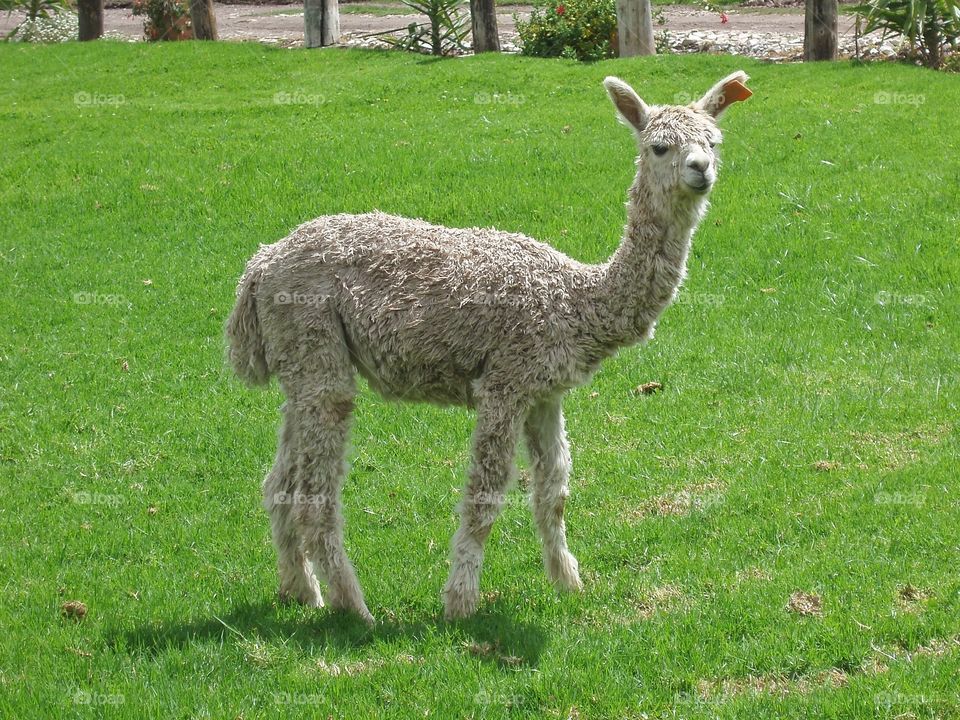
pixel 246 350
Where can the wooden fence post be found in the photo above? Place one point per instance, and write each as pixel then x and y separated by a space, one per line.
pixel 483 23
pixel 635 28
pixel 203 20
pixel 820 30
pixel 321 23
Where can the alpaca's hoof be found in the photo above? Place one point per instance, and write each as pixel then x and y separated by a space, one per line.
pixel 348 596
pixel 572 585
pixel 307 599
pixel 303 593
pixel 460 600
pixel 461 594
pixel 341 602
pixel 564 572
pixel 457 606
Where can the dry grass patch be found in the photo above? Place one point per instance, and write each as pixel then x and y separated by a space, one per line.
pixel 659 599
pixel 648 388
pixel 73 609
pixel 911 599
pixel 771 684
pixel 491 651
pixel 807 604
pixel 781 685
pixel 693 498
pixel 261 654
pixel 752 573
pixel 880 659
pixel 938 647
pixel 353 668
pixel 895 450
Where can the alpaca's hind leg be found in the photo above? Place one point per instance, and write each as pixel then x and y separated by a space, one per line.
pixel 297 581
pixel 323 427
pixel 494 447
pixel 550 467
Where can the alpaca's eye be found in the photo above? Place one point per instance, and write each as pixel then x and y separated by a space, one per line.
pixel 713 143
pixel 659 149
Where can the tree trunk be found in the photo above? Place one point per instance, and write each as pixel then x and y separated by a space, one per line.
pixel 933 44
pixel 331 22
pixel 436 46
pixel 90 14
pixel 635 28
pixel 203 20
pixel 483 21
pixel 820 30
pixel 321 20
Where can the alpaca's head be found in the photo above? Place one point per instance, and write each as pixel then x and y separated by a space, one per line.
pixel 678 142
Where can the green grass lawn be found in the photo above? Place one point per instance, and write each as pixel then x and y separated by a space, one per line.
pixel 805 440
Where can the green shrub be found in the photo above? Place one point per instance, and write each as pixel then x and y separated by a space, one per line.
pixel 444 33
pixel 930 26
pixel 580 29
pixel 56 27
pixel 164 19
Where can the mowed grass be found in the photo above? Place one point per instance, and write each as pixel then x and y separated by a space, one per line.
pixel 805 440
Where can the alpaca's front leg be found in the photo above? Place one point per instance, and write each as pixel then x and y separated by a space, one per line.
pixel 494 446
pixel 550 467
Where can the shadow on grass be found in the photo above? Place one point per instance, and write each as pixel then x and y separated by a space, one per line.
pixel 493 635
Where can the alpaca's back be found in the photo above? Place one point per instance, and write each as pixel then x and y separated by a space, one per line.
pixel 424 309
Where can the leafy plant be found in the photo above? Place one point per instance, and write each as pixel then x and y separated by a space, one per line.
pixel 580 29
pixel 445 32
pixel 930 26
pixel 60 26
pixel 165 19
pixel 35 8
pixel 43 22
pixel 661 37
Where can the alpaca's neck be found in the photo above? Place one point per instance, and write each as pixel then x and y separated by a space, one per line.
pixel 642 277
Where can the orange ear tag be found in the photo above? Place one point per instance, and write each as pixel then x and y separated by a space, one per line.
pixel 733 91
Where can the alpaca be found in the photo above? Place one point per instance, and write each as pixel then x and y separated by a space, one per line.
pixel 491 320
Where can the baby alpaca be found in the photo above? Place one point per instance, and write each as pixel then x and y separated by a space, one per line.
pixel 488 319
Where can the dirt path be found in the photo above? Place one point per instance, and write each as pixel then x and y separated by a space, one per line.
pixel 284 23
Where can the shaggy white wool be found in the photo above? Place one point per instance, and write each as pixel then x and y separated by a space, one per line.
pixel 479 317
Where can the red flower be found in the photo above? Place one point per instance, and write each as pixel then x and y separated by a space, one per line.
pixel 723 18
pixel 561 9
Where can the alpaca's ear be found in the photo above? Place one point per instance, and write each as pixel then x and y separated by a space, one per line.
pixel 631 108
pixel 726 92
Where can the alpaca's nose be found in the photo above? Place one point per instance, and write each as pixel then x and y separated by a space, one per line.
pixel 700 164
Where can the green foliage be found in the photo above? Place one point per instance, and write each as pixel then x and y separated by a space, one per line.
pixel 35 8
pixel 46 21
pixel 56 28
pixel 578 29
pixel 661 38
pixel 445 32
pixel 930 26
pixel 164 19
